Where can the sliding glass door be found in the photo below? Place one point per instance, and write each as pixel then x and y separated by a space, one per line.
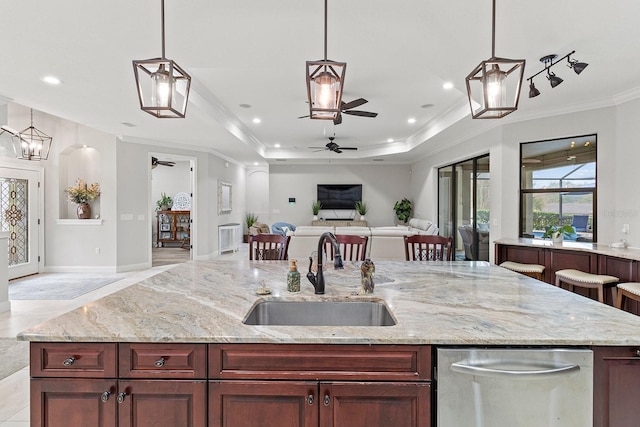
pixel 463 207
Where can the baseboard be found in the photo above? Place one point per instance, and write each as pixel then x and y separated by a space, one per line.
pixel 80 269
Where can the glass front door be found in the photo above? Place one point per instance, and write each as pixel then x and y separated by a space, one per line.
pixel 19 219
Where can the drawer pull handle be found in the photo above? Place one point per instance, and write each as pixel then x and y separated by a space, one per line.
pixel 159 363
pixel 121 397
pixel 105 396
pixel 69 361
pixel 310 399
pixel 638 352
pixel 327 400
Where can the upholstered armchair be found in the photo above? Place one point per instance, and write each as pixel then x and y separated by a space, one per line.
pixel 466 232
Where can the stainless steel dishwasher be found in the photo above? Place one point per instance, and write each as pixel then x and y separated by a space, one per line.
pixel 489 387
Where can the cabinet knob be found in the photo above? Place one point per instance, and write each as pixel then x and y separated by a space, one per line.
pixel 310 399
pixel 69 361
pixel 121 397
pixel 105 396
pixel 638 352
pixel 327 400
pixel 160 362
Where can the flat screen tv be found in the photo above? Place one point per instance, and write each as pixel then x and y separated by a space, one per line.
pixel 339 196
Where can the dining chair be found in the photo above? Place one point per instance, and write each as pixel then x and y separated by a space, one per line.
pixel 352 248
pixel 421 247
pixel 268 247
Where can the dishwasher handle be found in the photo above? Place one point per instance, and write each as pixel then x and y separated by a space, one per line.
pixel 486 370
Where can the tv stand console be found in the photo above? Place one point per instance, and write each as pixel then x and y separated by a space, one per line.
pixel 340 223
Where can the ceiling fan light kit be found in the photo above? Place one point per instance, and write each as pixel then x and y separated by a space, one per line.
pixel 325 82
pixel 548 61
pixel 162 85
pixel 493 87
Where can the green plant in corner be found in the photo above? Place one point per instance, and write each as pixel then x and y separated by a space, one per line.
pixel 557 231
pixel 403 210
pixel 164 203
pixel 316 206
pixel 361 207
pixel 249 219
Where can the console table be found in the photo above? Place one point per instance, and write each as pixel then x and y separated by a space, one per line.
pixel 228 237
pixel 340 223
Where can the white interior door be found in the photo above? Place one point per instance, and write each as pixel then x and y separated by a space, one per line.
pixel 19 218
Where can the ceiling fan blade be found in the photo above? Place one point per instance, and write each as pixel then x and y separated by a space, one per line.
pixel 361 113
pixel 163 163
pixel 353 104
pixel 348 148
pixel 337 150
pixel 338 119
pixel 303 117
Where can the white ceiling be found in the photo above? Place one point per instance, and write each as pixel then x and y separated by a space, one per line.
pixel 398 54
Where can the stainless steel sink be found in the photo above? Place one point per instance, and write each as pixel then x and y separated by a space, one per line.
pixel 320 313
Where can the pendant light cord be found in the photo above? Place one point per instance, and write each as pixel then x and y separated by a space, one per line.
pixel 162 23
pixel 493 30
pixel 325 29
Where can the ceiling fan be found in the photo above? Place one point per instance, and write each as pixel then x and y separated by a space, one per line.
pixel 346 108
pixel 332 146
pixel 155 162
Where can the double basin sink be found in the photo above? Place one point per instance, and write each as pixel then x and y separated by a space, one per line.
pixel 320 313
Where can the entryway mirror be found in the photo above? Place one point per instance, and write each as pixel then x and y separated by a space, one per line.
pixel 224 198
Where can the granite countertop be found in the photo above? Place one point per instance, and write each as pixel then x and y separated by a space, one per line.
pixel 597 248
pixel 464 303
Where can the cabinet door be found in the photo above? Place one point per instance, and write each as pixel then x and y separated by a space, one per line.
pixel 344 404
pixel 616 383
pixel 162 403
pixel 263 403
pixel 58 402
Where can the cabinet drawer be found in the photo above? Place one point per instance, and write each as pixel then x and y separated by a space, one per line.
pixel 311 361
pixel 166 360
pixel 86 360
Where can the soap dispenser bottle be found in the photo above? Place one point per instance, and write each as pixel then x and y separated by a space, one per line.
pixel 293 278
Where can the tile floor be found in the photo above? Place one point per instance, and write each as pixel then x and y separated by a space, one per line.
pixel 14 389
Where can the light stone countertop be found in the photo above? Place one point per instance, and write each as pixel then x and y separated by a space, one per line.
pixel 465 303
pixel 597 248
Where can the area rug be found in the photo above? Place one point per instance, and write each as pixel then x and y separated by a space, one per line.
pixel 52 286
pixel 14 355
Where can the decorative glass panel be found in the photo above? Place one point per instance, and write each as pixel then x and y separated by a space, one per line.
pixel 14 218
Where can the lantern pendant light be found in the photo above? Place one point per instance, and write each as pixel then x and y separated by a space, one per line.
pixel 325 80
pixel 494 86
pixel 31 143
pixel 163 86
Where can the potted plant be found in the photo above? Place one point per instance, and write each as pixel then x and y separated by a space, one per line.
pixel 249 219
pixel 315 208
pixel 403 210
pixel 557 233
pixel 164 203
pixel 361 208
pixel 81 195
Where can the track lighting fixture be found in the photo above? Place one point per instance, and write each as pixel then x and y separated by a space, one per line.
pixel 548 61
pixel 493 87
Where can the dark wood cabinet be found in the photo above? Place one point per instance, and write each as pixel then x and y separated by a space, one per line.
pixel 173 227
pixel 616 384
pixel 263 403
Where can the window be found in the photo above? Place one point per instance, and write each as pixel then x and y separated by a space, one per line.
pixel 558 186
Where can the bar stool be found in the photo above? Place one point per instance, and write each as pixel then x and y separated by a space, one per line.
pixel 587 280
pixel 532 270
pixel 628 290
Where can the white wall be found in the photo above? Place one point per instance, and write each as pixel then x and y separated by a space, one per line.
pixel 617 129
pixel 382 186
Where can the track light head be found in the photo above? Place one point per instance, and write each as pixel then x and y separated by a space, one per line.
pixel 578 67
pixel 533 92
pixel 553 79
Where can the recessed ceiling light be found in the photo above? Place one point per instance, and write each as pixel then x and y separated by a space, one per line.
pixel 245 106
pixel 447 85
pixel 276 145
pixel 389 139
pixel 255 163
pixel 256 120
pixel 52 80
pixel 411 120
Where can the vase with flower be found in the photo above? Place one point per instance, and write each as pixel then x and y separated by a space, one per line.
pixel 81 194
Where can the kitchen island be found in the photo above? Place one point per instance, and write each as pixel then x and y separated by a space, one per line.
pixel 194 313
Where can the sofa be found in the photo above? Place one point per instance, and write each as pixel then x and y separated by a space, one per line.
pixel 385 243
